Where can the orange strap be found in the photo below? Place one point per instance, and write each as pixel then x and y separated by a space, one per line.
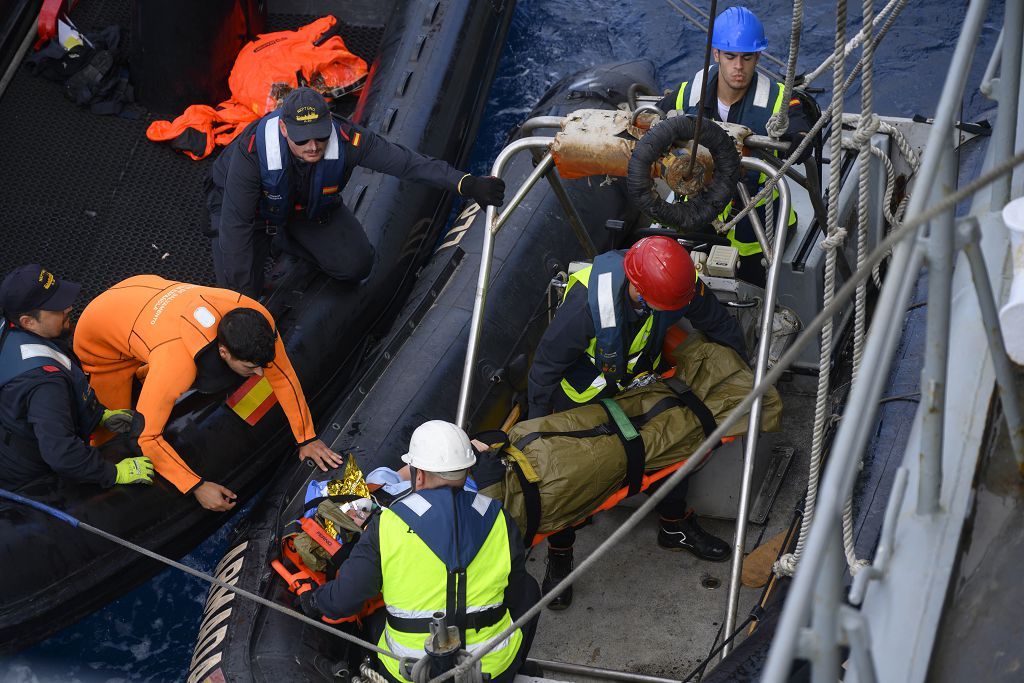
pixel 304 578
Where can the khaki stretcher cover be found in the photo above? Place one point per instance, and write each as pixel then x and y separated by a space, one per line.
pixel 576 475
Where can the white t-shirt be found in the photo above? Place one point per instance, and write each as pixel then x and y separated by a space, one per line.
pixel 723 110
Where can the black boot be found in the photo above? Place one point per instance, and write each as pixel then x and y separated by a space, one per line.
pixel 559 565
pixel 686 534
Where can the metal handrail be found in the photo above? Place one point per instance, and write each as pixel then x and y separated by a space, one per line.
pixel 494 224
pixel 818 578
pixel 763 347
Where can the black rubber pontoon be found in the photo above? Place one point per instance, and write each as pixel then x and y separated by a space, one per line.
pixel 95 201
pixel 420 381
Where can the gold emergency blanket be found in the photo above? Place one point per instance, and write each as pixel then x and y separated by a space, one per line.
pixel 576 475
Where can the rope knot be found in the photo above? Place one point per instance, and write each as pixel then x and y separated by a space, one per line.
pixel 778 124
pixel 834 240
pixel 785 565
pixel 858 565
pixel 868 126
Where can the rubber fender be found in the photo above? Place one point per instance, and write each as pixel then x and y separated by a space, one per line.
pixel 700 210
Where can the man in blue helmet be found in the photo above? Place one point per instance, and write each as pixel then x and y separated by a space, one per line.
pixel 739 93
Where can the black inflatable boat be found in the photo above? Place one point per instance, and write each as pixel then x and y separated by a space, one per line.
pixel 118 205
pixel 415 380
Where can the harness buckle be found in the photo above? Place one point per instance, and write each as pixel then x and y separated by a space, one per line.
pixel 270 228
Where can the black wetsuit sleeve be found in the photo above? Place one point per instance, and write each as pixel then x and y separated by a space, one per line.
pixel 358 580
pixel 565 340
pixel 50 416
pixel 238 214
pixel 709 316
pixel 369 150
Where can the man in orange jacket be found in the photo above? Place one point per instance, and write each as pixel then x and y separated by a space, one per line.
pixel 187 336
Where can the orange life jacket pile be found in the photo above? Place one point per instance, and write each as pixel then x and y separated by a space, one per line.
pixel 264 71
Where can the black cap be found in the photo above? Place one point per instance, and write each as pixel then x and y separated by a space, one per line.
pixel 32 287
pixel 306 115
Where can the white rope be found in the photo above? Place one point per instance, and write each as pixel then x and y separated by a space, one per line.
pixel 778 124
pixel 858 39
pixel 831 243
pixel 869 124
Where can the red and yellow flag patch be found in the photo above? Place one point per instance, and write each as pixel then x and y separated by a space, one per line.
pixel 253 399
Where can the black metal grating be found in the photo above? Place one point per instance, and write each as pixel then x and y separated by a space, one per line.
pixel 89 196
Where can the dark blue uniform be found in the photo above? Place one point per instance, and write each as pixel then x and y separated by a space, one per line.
pixel 569 334
pixel 47 412
pixel 335 240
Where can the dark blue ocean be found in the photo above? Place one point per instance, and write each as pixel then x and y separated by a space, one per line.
pixel 148 634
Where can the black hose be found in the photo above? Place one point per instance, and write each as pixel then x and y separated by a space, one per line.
pixel 700 210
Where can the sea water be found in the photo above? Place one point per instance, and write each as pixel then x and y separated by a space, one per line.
pixel 148 634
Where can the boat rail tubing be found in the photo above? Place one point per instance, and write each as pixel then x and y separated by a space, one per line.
pixel 541 122
pixel 1005 133
pixel 595 672
pixel 987 81
pixel 761 368
pixel 840 472
pixel 493 224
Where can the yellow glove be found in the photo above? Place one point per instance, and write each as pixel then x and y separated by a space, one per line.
pixel 134 471
pixel 118 421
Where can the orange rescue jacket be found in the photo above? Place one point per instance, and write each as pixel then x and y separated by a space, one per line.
pixel 164 325
pixel 265 70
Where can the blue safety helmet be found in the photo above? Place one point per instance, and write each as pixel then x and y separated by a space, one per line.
pixel 737 29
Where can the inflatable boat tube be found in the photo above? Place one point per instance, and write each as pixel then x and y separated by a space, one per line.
pixel 428 85
pixel 416 379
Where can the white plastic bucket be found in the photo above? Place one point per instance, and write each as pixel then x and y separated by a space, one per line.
pixel 1011 316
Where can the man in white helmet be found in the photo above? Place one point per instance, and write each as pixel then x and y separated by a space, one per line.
pixel 440 548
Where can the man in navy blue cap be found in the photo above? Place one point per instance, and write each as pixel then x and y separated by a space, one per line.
pixel 283 176
pixel 47 408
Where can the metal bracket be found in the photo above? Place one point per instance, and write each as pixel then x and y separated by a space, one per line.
pixel 772 482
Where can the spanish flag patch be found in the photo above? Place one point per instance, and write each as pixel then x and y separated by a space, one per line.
pixel 333 189
pixel 357 138
pixel 253 399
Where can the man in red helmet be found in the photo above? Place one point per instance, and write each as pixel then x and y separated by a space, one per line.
pixel 610 328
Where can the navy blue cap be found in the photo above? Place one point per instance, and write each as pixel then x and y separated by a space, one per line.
pixel 32 287
pixel 306 115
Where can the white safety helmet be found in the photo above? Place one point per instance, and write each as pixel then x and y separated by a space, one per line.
pixel 438 446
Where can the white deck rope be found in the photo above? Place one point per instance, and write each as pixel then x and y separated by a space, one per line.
pixel 787 564
pixel 778 124
pixel 894 6
pixel 869 125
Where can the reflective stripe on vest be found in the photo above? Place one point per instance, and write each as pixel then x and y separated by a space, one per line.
pixel 585 394
pixel 762 91
pixel 23 351
pixel 275 203
pixel 415 582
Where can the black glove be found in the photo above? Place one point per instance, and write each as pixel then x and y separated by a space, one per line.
pixel 794 139
pixel 484 190
pixel 307 603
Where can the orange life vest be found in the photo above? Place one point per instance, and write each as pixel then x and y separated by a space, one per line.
pixel 264 70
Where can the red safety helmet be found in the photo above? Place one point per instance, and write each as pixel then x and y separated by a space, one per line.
pixel 662 272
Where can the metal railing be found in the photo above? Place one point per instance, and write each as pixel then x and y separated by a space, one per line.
pixel 816 598
pixel 761 368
